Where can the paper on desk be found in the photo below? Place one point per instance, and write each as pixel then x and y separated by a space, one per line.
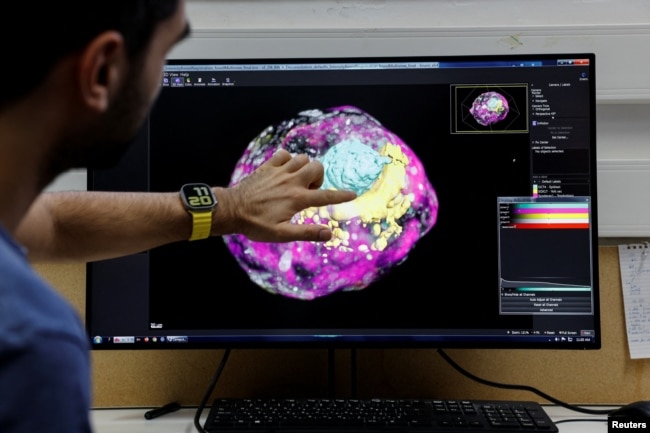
pixel 634 262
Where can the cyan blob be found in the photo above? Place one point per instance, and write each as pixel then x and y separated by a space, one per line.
pixel 353 166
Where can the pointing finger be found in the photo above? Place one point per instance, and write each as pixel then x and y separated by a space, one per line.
pixel 279 158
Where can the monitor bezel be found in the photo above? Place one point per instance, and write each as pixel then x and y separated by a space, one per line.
pixel 348 341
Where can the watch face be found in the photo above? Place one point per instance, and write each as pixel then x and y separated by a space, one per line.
pixel 198 196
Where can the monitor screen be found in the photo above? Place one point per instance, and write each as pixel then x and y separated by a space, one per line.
pixel 474 224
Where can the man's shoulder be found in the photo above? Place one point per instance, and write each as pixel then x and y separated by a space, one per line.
pixel 29 307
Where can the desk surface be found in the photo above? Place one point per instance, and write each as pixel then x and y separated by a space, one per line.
pixel 182 421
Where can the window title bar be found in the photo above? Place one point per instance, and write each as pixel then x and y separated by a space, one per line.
pixel 371 65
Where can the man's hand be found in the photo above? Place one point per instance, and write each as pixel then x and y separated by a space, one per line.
pixel 263 204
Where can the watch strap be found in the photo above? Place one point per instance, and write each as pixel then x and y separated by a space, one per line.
pixel 201 224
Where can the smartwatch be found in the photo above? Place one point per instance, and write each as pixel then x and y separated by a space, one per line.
pixel 200 202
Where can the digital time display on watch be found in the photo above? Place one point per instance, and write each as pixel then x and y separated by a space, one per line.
pixel 200 202
pixel 198 196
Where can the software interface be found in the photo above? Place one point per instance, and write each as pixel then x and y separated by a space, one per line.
pixel 474 222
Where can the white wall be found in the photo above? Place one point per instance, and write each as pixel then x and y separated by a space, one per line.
pixel 369 14
pixel 618 31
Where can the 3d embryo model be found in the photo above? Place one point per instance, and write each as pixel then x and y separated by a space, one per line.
pixel 395 206
pixel 489 108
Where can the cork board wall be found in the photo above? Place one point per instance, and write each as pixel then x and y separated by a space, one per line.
pixel 156 377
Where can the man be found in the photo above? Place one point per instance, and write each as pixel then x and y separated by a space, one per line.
pixel 73 93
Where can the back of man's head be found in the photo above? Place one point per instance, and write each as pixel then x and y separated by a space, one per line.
pixel 36 34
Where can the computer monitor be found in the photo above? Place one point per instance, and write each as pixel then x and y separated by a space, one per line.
pixel 475 224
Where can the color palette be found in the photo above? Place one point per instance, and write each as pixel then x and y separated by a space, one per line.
pixel 561 215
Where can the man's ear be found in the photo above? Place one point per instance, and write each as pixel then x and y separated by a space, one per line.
pixel 101 69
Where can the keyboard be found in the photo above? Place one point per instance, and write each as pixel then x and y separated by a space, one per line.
pixel 376 415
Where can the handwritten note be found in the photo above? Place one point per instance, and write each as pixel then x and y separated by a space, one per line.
pixel 635 279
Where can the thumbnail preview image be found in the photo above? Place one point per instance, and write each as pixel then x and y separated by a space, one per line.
pixel 489 108
pixel 395 205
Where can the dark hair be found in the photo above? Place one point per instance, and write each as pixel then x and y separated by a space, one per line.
pixel 36 34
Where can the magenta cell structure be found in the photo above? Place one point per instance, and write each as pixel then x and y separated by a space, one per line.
pixel 489 108
pixel 396 205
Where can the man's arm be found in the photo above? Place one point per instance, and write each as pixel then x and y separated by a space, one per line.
pixel 94 225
